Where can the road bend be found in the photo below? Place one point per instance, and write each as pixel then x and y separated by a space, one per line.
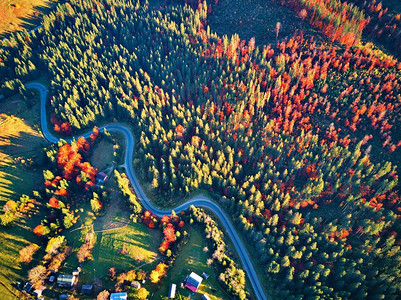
pixel 198 201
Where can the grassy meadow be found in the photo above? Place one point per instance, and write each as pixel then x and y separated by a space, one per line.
pixel 18 14
pixel 131 247
pixel 192 258
pixel 20 138
pixel 102 155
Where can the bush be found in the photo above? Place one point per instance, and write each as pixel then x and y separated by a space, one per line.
pixel 26 253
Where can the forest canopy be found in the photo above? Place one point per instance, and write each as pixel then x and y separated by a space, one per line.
pixel 286 135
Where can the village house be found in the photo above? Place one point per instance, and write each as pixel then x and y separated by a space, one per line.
pixel 193 281
pixel 86 289
pixel 171 292
pixel 65 280
pixel 101 178
pixel 118 296
pixel 136 285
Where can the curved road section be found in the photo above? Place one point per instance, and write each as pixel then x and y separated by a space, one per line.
pixel 199 201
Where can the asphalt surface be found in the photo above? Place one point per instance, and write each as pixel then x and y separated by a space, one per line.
pixel 198 201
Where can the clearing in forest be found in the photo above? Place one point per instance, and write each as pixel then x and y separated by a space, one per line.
pixel 193 258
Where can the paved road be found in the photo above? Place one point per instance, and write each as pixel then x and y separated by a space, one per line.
pixel 198 201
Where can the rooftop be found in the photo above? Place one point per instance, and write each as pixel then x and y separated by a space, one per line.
pixel 205 297
pixel 65 280
pixel 101 176
pixel 171 292
pixel 86 288
pixel 193 281
pixel 118 296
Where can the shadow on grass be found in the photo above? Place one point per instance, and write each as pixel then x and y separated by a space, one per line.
pixel 13 239
pixel 14 143
pixel 18 178
pixel 30 21
pixel 6 182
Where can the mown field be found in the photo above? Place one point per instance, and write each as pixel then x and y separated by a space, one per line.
pixel 102 155
pixel 19 138
pixel 130 247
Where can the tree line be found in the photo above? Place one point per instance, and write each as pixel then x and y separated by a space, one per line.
pixel 287 136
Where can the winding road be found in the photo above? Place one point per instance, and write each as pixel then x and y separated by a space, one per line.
pixel 198 201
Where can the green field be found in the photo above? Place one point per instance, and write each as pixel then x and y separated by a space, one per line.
pixel 192 258
pixel 102 155
pixel 136 243
pixel 13 239
pixel 131 247
pixel 19 138
pixel 11 270
pixel 116 212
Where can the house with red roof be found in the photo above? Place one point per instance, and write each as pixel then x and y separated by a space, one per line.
pixel 193 281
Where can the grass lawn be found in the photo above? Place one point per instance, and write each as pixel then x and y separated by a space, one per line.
pixel 13 239
pixel 117 211
pixel 192 258
pixel 102 154
pixel 133 246
pixel 16 14
pixel 20 137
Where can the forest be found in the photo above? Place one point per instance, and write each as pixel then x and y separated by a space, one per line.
pixel 300 139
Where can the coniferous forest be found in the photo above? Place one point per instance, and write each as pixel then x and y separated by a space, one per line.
pixel 300 140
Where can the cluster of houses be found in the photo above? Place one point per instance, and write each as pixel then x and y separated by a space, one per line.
pixel 68 281
pixel 191 282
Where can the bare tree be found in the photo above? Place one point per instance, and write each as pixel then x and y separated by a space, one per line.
pixel 37 276
pixel 278 27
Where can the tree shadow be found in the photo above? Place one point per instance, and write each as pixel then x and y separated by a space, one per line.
pixel 6 182
pixel 13 239
pixel 17 174
pixel 21 144
pixel 30 21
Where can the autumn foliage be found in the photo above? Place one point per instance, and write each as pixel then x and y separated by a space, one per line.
pixel 289 136
pixel 339 20
pixel 384 25
pixel 63 128
pixel 158 273
pixel 170 225
pixel 70 162
pixel 26 253
pixel 39 230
